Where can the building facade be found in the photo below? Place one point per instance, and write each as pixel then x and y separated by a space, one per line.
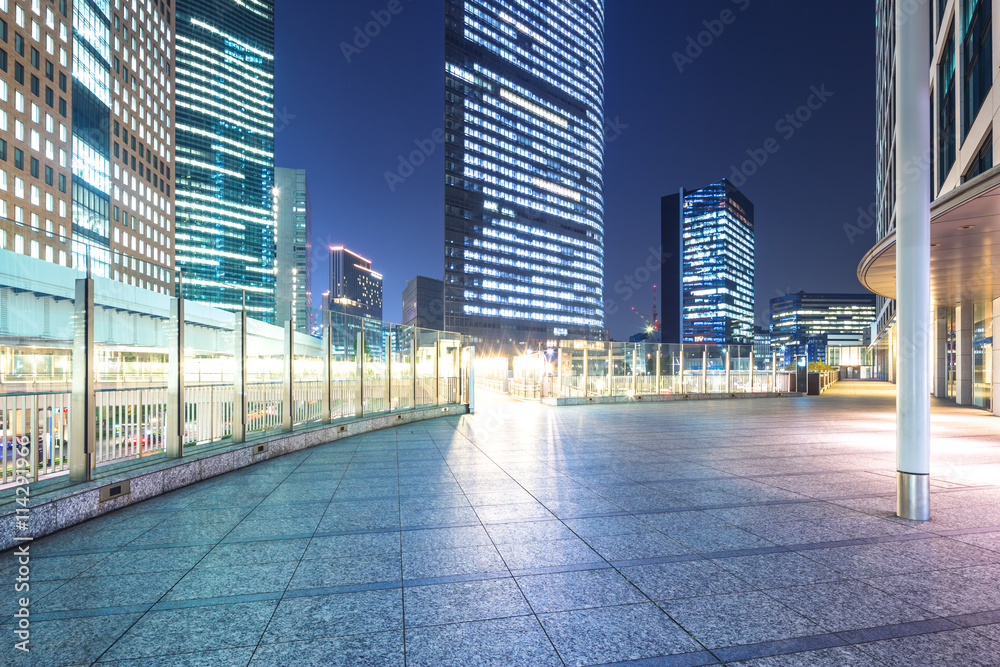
pixel 293 232
pixel 808 324
pixel 87 137
pixel 524 164
pixel 225 153
pixel 965 267
pixel 708 267
pixel 423 303
pixel 355 289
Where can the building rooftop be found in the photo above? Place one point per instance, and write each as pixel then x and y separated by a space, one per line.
pixel 695 533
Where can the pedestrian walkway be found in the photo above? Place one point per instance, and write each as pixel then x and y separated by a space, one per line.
pixel 744 532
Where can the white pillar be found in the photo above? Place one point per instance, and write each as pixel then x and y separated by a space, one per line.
pixel 963 353
pixel 995 389
pixel 913 259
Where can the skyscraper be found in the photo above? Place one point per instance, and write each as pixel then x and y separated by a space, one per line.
pixel 87 130
pixel 806 324
pixel 225 153
pixel 293 227
pixel 423 304
pixel 355 289
pixel 524 163
pixel 708 272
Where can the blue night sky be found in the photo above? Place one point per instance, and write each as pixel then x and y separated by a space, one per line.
pixel 673 121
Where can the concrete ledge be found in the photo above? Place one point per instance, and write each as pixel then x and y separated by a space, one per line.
pixel 662 398
pixel 71 504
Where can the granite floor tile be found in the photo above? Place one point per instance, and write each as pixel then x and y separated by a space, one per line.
pixel 233 657
pixel 615 634
pixel 254 553
pixel 739 618
pixel 509 642
pixel 457 602
pixel 222 581
pixel 383 649
pixel 445 538
pixel 839 656
pixel 777 570
pixel 336 614
pixel 712 540
pixel 685 579
pixel 848 605
pixel 582 589
pixel 350 571
pixel 944 592
pixel 451 562
pixel 86 592
pixel 953 647
pixel 362 544
pixel 149 560
pixel 529 531
pixel 532 555
pixel 68 641
pixel 192 629
pixel 637 545
pixel 607 525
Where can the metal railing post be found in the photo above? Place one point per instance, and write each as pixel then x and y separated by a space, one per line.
pixel 437 369
pixel 287 394
pixel 682 387
pixel 729 365
pixel 240 389
pixel 558 378
pixel 659 378
pixel 36 434
pixel 327 408
pixel 704 370
pixel 611 369
pixel 586 372
pixel 82 418
pixel 472 380
pixel 359 407
pixel 413 366
pixel 635 370
pixel 751 370
pixel 175 378
pixel 388 370
pixel 774 372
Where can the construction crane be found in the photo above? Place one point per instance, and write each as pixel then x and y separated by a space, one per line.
pixel 652 325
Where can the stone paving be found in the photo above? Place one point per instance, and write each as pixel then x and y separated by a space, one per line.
pixel 741 532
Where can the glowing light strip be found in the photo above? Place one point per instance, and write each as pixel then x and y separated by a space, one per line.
pixel 533 108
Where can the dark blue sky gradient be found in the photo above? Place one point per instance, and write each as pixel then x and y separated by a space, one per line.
pixel 347 123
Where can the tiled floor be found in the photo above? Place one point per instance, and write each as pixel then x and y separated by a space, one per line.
pixel 757 533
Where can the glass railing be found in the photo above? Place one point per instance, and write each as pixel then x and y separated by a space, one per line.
pixel 577 369
pixel 168 377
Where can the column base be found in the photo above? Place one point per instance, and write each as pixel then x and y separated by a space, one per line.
pixel 913 496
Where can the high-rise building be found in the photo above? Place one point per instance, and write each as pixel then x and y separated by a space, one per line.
pixel 807 324
pixel 965 191
pixel 708 268
pixel 524 163
pixel 225 153
pixel 293 229
pixel 423 303
pixel 88 137
pixel 355 289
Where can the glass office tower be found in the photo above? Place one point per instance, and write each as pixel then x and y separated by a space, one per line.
pixel 293 234
pixel 91 150
pixel 708 294
pixel 225 153
pixel 808 324
pixel 524 163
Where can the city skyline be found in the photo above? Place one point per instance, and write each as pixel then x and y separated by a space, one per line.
pixel 385 97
